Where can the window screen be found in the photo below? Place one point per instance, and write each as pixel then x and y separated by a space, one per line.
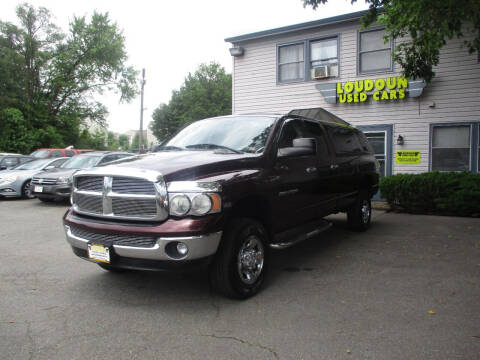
pixel 291 65
pixel 451 148
pixel 374 53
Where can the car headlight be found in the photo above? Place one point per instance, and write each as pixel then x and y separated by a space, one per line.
pixel 63 180
pixel 9 179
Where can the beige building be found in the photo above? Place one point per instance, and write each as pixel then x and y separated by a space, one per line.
pixel 334 64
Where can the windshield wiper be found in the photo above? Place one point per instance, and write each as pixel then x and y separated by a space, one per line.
pixel 212 146
pixel 169 147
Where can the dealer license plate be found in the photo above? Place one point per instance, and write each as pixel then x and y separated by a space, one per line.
pixel 38 188
pixel 99 252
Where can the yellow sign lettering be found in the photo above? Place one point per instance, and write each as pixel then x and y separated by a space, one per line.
pixel 348 87
pixel 391 88
pixel 368 85
pixel 339 88
pixel 379 84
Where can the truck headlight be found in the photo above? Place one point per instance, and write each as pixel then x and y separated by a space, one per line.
pixel 196 198
pixel 179 205
pixel 196 204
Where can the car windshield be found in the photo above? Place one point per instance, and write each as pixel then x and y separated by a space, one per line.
pixel 236 133
pixel 35 164
pixel 81 162
pixel 39 153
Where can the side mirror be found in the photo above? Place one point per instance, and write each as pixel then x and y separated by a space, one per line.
pixel 49 167
pixel 301 147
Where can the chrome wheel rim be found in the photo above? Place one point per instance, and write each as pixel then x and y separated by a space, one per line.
pixel 365 211
pixel 250 260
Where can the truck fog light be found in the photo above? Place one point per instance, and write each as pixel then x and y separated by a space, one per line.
pixel 182 249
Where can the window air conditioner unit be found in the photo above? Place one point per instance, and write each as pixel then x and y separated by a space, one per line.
pixel 320 72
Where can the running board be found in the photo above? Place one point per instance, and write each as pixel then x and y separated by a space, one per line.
pixel 308 232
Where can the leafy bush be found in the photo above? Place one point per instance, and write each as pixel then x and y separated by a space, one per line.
pixel 440 193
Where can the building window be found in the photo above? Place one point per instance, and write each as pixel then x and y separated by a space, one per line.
pixel 324 58
pixel 374 55
pixel 451 148
pixel 291 64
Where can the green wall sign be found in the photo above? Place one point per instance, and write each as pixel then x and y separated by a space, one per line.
pixel 408 157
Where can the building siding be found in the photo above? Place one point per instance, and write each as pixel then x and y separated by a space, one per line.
pixel 454 90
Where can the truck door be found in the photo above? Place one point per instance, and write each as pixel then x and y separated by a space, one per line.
pixel 300 195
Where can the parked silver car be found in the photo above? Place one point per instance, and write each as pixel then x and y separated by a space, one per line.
pixel 16 182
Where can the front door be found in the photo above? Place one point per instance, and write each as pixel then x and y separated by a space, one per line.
pixel 302 192
pixel 380 137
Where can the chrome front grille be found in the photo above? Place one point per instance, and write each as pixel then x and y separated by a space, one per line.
pixel 132 186
pixel 129 194
pixel 90 183
pixel 131 207
pixel 92 204
pixel 43 181
pixel 111 239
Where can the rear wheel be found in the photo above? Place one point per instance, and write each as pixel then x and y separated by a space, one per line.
pixel 239 268
pixel 360 213
pixel 27 190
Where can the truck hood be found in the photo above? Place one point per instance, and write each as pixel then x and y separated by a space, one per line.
pixel 189 165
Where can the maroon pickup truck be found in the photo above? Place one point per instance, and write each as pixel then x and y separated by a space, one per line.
pixel 222 192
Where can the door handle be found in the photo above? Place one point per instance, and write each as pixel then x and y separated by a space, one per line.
pixel 334 166
pixel 311 170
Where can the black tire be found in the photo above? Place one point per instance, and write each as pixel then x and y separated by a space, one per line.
pixel 27 190
pixel 111 268
pixel 360 213
pixel 228 273
pixel 44 199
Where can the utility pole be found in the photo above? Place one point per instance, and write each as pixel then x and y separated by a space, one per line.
pixel 140 136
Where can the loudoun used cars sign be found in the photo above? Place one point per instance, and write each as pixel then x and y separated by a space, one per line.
pixel 381 89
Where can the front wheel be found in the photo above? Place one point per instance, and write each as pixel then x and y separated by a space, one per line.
pixel 239 268
pixel 27 190
pixel 360 214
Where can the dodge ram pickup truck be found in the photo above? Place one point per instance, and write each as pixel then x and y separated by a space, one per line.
pixel 221 193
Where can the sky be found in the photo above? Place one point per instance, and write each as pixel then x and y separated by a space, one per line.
pixel 169 39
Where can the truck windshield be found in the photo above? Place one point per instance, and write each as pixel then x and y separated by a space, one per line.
pixel 237 133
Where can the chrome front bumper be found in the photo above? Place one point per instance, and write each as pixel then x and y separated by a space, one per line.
pixel 200 246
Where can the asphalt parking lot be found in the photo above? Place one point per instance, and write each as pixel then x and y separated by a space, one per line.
pixel 408 288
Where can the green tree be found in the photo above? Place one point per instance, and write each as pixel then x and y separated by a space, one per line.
pixel 123 142
pixel 205 93
pixel 135 142
pixel 427 25
pixel 112 142
pixel 16 134
pixel 52 77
